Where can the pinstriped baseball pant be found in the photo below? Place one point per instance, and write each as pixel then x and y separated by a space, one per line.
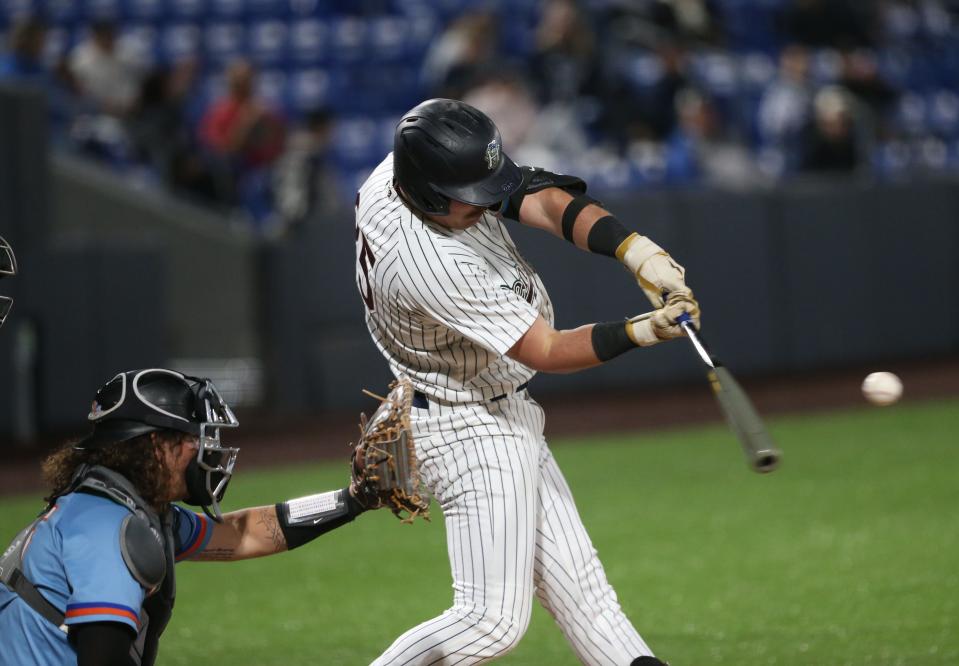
pixel 512 532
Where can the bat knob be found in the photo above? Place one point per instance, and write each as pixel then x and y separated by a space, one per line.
pixel 683 318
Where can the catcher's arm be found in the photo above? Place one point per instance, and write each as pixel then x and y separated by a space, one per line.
pixel 266 530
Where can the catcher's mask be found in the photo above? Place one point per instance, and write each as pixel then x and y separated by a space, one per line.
pixel 141 401
pixel 8 268
pixel 445 149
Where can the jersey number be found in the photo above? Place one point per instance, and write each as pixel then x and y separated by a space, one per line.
pixel 366 261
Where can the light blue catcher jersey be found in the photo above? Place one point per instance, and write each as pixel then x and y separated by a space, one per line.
pixel 74 560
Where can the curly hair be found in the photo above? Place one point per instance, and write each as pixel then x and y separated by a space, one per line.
pixel 136 459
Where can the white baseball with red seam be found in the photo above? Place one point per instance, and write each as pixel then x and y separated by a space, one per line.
pixel 882 388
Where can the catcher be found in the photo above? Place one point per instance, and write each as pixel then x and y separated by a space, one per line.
pixel 91 580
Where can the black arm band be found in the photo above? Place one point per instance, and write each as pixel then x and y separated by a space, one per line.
pixel 607 234
pixel 610 340
pixel 306 518
pixel 573 209
pixel 102 643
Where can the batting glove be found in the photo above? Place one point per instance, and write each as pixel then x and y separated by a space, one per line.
pixel 663 323
pixel 656 272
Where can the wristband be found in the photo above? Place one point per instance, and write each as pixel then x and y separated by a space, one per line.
pixel 606 235
pixel 610 339
pixel 305 518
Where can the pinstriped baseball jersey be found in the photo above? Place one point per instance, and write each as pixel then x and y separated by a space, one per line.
pixel 443 306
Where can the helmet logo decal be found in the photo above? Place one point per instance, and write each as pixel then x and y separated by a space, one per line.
pixel 492 154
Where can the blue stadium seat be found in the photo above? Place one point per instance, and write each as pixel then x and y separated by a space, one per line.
pixel 100 9
pixel 143 10
pixel 61 12
pixel 943 113
pixel 188 10
pixel 271 86
pixel 756 71
pixel 10 10
pixel 717 73
pixel 388 37
pixel 58 44
pixel 267 41
pixel 911 114
pixel 348 39
pixel 179 41
pixel 224 41
pixel 268 8
pixel 308 89
pixel 227 9
pixel 141 40
pixel 308 41
pixel 355 142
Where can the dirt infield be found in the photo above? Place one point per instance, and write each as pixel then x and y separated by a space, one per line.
pixel 269 441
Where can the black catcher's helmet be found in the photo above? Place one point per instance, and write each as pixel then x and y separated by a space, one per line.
pixel 8 268
pixel 141 401
pixel 444 149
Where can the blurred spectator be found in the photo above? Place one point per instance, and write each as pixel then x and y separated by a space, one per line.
pixel 23 63
pixel 162 137
pixel 24 59
pixel 240 126
pixel 784 108
pixel 859 74
pixel 652 23
pixel 247 136
pixel 698 152
pixel 829 23
pixel 105 74
pixel 506 99
pixel 831 144
pixel 304 183
pixel 564 66
pixel 536 136
pixel 652 112
pixel 465 52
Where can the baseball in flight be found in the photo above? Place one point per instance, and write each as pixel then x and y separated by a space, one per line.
pixel 882 388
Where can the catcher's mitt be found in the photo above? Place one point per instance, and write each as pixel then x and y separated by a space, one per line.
pixel 384 469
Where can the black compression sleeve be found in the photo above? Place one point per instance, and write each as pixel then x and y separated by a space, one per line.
pixel 607 234
pixel 304 527
pixel 102 643
pixel 610 340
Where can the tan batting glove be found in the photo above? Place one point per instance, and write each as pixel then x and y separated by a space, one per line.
pixel 656 272
pixel 663 323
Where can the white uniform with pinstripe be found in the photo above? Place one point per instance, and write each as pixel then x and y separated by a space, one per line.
pixel 444 307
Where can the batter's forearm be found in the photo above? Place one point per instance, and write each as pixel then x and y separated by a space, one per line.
pixel 546 350
pixel 581 220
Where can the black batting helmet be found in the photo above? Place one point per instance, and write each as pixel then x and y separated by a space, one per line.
pixel 444 149
pixel 8 268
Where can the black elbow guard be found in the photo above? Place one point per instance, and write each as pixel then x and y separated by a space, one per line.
pixel 536 179
pixel 305 518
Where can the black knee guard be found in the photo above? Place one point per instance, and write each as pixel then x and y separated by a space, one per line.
pixel 648 661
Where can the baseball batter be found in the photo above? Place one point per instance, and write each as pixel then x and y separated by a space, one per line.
pixel 452 305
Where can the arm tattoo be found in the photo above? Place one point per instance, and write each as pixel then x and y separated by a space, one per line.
pixel 217 554
pixel 271 527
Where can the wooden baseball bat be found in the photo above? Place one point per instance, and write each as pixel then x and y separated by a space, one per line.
pixel 762 454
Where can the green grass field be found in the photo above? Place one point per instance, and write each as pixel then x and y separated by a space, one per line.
pixel 847 555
